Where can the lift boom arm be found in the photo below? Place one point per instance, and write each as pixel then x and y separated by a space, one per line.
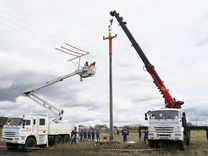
pixel 169 101
pixel 84 72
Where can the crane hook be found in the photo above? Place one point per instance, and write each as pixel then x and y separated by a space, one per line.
pixel 111 21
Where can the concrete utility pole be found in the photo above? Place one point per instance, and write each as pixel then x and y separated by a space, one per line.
pixel 110 38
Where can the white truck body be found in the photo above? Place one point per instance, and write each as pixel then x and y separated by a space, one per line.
pixel 166 126
pixel 18 130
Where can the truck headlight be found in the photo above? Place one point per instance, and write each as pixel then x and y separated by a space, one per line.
pixel 22 137
pixel 177 135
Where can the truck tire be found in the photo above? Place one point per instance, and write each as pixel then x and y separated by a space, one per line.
pixel 153 144
pixel 188 138
pixel 58 140
pixel 30 144
pixel 66 139
pixel 183 144
pixel 11 146
pixel 51 139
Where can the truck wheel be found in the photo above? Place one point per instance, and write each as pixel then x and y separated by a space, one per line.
pixel 29 144
pixel 188 138
pixel 66 139
pixel 51 139
pixel 151 143
pixel 12 146
pixel 183 144
pixel 58 140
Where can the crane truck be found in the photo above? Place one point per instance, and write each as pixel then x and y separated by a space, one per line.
pixel 32 131
pixel 166 125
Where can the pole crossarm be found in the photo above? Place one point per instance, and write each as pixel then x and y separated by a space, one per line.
pixel 110 36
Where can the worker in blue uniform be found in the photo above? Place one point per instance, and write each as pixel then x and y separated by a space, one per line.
pixel 74 136
pixel 125 135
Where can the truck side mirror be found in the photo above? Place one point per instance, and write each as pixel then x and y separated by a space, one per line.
pixel 184 119
pixel 23 124
pixel 146 118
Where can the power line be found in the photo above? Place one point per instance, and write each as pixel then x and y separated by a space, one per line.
pixel 25 30
pixel 41 35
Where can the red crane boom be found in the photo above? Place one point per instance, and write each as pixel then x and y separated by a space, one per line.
pixel 170 102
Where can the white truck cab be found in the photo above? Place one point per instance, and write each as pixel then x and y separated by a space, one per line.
pixel 32 131
pixel 166 126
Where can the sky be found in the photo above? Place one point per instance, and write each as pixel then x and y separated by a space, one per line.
pixel 173 35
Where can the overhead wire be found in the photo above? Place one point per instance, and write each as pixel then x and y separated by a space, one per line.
pixel 27 23
pixel 41 35
pixel 36 33
pixel 46 39
pixel 24 30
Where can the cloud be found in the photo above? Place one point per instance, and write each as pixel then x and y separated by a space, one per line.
pixel 196 109
pixel 14 86
pixel 201 32
pixel 172 34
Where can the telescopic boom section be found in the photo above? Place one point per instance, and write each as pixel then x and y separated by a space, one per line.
pixel 84 72
pixel 169 101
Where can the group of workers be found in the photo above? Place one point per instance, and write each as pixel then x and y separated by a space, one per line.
pixel 94 135
pixel 84 135
pixel 125 133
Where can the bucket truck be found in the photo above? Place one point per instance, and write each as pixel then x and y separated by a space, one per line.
pixel 32 131
pixel 168 124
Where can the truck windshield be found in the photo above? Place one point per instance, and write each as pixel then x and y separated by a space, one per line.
pixel 164 114
pixel 14 121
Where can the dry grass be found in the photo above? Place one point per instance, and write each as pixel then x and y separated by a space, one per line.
pixel 198 147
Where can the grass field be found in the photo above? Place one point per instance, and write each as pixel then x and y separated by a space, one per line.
pixel 198 146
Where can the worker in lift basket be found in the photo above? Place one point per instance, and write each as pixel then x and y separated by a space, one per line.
pixel 92 64
pixel 74 136
pixel 86 64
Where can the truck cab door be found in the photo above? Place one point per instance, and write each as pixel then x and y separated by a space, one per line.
pixel 42 131
pixel 27 126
